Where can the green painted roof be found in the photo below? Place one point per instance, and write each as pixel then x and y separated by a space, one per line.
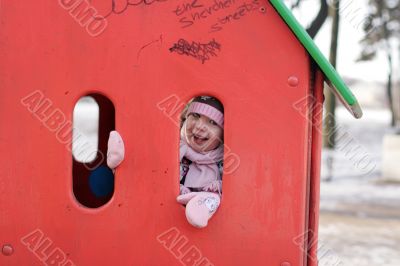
pixel 332 78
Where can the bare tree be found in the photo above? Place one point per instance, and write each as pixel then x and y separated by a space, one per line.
pixel 329 135
pixel 318 21
pixel 381 28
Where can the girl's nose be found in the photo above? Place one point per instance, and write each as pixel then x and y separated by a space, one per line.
pixel 199 126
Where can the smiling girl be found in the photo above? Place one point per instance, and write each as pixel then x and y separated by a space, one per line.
pixel 201 159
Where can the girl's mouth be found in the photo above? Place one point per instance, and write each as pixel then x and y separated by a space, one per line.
pixel 199 140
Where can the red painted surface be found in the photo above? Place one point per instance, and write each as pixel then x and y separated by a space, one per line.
pixel 317 116
pixel 264 205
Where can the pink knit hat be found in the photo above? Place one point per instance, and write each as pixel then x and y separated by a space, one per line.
pixel 208 106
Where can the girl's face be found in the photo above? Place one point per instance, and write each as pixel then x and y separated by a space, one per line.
pixel 203 134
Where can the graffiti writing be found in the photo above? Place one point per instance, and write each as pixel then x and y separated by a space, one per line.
pixel 183 8
pixel 198 11
pixel 202 52
pixel 240 12
pixel 120 6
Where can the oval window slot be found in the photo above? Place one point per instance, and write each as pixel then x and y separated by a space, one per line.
pixel 93 120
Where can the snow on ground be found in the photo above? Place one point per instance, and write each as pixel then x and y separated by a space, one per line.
pixel 360 212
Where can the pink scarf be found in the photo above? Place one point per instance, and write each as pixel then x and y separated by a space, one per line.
pixel 204 169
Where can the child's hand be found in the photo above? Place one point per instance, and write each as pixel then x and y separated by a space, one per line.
pixel 215 186
pixel 183 190
pixel 115 150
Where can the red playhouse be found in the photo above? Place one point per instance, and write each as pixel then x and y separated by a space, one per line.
pixel 142 61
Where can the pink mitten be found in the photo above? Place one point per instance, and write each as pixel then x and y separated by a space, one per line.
pixel 201 208
pixel 116 150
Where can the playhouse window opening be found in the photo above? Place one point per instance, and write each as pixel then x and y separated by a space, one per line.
pixel 85 134
pixel 93 120
pixel 201 142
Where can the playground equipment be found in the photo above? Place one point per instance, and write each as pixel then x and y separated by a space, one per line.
pixel 142 61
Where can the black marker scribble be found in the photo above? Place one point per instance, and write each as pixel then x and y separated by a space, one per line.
pixel 200 51
pixel 127 3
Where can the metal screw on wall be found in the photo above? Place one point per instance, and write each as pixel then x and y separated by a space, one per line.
pixel 7 250
pixel 293 81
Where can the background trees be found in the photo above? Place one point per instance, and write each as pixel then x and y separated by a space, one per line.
pixel 382 33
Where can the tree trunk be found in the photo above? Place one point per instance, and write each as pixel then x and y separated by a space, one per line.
pixel 330 100
pixel 389 89
pixel 319 20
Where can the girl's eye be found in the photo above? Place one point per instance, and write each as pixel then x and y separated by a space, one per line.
pixel 195 115
pixel 212 122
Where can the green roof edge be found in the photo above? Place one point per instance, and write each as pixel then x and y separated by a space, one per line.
pixel 333 79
